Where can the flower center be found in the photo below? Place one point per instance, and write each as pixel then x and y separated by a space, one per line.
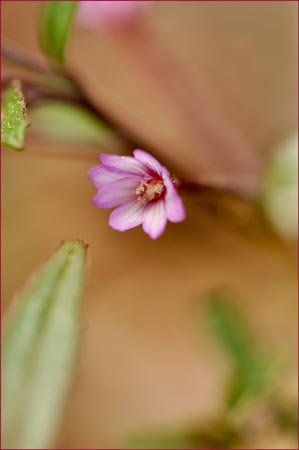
pixel 150 189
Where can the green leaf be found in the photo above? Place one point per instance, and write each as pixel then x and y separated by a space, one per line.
pixel 13 117
pixel 231 329
pixel 158 440
pixel 251 370
pixel 39 346
pixel 69 123
pixel 250 382
pixel 56 21
pixel 214 435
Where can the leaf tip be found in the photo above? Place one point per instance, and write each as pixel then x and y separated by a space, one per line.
pixel 79 241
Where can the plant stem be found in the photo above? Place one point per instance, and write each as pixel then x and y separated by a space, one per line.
pixel 37 93
pixel 23 59
pixel 34 93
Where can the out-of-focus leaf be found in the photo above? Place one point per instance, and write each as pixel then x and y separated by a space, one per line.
pixel 69 123
pixel 13 117
pixel 286 416
pixel 56 21
pixel 251 370
pixel 38 349
pixel 251 381
pixel 213 435
pixel 158 440
pixel 231 328
pixel 280 189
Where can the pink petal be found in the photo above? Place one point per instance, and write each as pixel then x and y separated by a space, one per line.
pixel 127 216
pixel 117 193
pixel 124 164
pixel 95 13
pixel 148 159
pixel 101 176
pixel 174 206
pixel 154 219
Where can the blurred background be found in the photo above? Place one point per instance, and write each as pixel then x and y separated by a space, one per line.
pixel 210 88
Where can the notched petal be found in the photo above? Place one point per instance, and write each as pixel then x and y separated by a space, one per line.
pixel 174 206
pixel 123 164
pixel 101 176
pixel 117 193
pixel 154 219
pixel 127 216
pixel 148 159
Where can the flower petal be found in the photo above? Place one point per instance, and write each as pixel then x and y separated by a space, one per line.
pixel 110 13
pixel 174 206
pixel 154 219
pixel 148 159
pixel 127 216
pixel 101 176
pixel 117 193
pixel 124 164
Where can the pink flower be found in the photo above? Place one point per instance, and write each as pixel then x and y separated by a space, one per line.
pixel 141 189
pixel 115 13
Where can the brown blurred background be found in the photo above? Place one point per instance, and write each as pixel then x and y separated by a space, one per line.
pixel 142 360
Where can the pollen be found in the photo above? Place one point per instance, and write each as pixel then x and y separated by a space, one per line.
pixel 150 189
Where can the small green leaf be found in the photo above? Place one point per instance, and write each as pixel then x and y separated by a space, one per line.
pixel 56 21
pixel 69 123
pixel 13 117
pixel 38 349
pixel 250 382
pixel 231 329
pixel 251 370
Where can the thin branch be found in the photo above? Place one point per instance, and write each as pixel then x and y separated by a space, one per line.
pixel 37 93
pixel 23 59
pixel 34 93
pixel 185 186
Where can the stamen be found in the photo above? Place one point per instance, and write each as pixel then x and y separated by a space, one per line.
pixel 150 189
